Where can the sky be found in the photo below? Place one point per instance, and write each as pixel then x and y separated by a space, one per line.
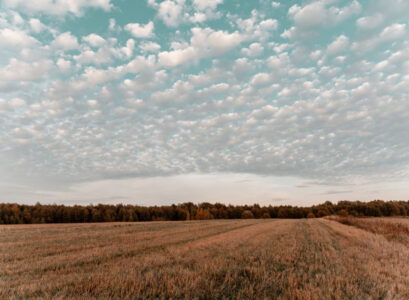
pixel 155 102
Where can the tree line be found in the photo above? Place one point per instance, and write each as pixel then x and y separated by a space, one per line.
pixel 12 213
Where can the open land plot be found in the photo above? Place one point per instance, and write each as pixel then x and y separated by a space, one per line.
pixel 219 259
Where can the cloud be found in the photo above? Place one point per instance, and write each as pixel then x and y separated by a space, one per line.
pixel 214 42
pixel 257 27
pixel 175 12
pixel 261 78
pixel 316 16
pixel 140 31
pixel 332 192
pixel 113 26
pixel 96 76
pixel 338 15
pixel 16 102
pixel 370 22
pixel 66 41
pixel 393 32
pixel 229 188
pixel 36 25
pixel 279 62
pixel 102 56
pixel 309 16
pixel 60 7
pixel 129 48
pixel 64 65
pixel 149 47
pixel 254 50
pixel 206 4
pixel 390 33
pixel 23 71
pixel 169 11
pixel 147 81
pixel 94 40
pixel 204 42
pixel 337 46
pixel 2 105
pixel 16 38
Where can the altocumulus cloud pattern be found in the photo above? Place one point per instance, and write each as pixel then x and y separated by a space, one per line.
pixel 107 89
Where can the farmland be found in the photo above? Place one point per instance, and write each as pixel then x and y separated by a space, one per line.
pixel 272 258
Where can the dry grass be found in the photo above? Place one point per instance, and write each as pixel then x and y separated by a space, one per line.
pixel 223 259
pixel 393 229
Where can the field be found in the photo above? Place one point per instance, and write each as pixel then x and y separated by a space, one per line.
pixel 221 259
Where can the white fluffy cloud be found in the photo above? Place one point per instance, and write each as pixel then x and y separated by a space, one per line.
pixel 254 50
pixel 388 34
pixel 140 30
pixel 64 65
pixel 393 32
pixel 261 78
pixel 102 56
pixel 36 25
pixel 315 15
pixel 214 42
pixel 203 43
pixel 66 41
pixel 60 7
pixel 23 71
pixel 170 11
pixel 129 48
pixel 175 12
pixel 340 44
pixel 311 15
pixel 15 38
pixel 257 27
pixel 94 40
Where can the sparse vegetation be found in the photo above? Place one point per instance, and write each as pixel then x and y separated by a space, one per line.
pixel 216 259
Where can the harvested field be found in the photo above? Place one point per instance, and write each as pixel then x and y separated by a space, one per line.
pixel 393 229
pixel 223 259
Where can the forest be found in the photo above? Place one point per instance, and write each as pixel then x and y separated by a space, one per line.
pixel 12 213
